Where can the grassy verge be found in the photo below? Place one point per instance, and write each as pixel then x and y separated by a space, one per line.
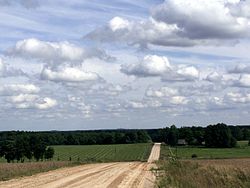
pixel 13 170
pixel 216 167
pixel 205 174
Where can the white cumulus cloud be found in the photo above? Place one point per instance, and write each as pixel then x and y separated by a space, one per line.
pixel 29 102
pixel 178 100
pixel 151 65
pixel 181 23
pixel 54 51
pixel 238 97
pixel 162 92
pixel 22 98
pixel 68 74
pixel 9 89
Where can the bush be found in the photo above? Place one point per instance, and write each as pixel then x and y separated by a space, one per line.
pixel 194 155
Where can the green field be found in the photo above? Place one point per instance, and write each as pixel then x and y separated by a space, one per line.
pixel 103 153
pixel 185 152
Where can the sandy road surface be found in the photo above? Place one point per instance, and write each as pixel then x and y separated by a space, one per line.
pixel 104 175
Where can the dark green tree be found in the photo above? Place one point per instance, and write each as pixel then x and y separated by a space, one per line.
pixel 187 134
pixel 236 132
pixel 9 150
pixel 173 136
pixel 219 136
pixel 49 153
pixel 143 137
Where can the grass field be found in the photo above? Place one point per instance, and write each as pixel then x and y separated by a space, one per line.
pixel 103 153
pixel 185 152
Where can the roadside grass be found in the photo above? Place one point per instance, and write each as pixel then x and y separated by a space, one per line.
pixel 103 153
pixel 215 167
pixel 13 170
pixel 185 152
pixel 220 173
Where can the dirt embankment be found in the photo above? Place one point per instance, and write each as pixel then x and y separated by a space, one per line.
pixel 109 175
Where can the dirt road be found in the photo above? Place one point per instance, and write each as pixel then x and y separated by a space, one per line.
pixel 109 175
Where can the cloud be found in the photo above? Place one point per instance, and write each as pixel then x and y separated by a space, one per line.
pixel 118 23
pixel 159 66
pixel 46 103
pixel 162 92
pixel 201 88
pixel 178 100
pixel 181 23
pixel 139 33
pixel 136 104
pixel 214 77
pixel 212 19
pixel 22 98
pixel 238 97
pixel 29 4
pixel 10 89
pixel 243 81
pixel 182 73
pixel 2 67
pixel 41 104
pixel 108 89
pixel 151 65
pixel 6 71
pixel 68 74
pixel 236 77
pixel 54 51
pixel 240 68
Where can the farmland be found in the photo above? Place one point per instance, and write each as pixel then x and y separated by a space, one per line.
pixel 103 153
pixel 185 152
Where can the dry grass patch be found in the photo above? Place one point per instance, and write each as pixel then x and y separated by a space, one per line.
pixel 12 170
pixel 205 173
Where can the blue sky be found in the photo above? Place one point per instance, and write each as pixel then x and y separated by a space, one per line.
pixel 123 64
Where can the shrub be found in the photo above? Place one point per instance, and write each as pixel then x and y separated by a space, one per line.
pixel 194 155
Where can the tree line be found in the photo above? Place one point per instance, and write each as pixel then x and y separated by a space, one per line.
pixel 18 147
pixel 84 137
pixel 219 135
